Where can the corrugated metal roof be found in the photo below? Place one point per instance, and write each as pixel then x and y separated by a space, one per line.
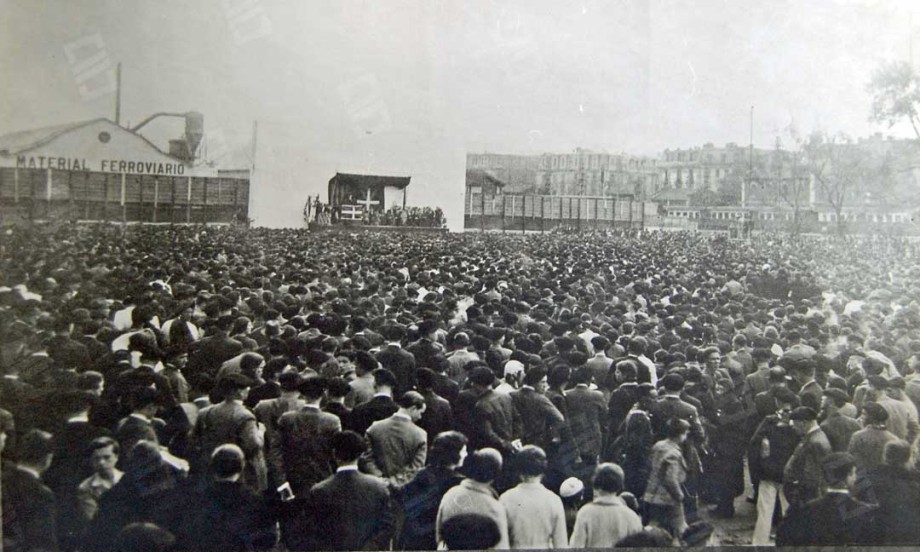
pixel 24 140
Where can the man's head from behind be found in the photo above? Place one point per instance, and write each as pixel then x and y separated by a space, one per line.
pixel 227 462
pixel 35 450
pixel 347 447
pixel 484 465
pixel 839 470
pixel 608 479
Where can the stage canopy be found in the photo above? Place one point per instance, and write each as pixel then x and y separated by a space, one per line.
pixel 369 191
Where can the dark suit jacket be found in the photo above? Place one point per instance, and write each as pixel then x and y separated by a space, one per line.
pixel 438 416
pixel 669 407
pixel 207 355
pixel 839 429
pixel 424 351
pixel 365 414
pixel 539 418
pixel 402 364
pixel 803 476
pixel 29 512
pixel 226 516
pixel 374 338
pixel 896 491
pixel 230 422
pixel 586 414
pixel 68 353
pixel 342 412
pixel 70 463
pixel 494 422
pixel 835 519
pixel 158 497
pixel 351 511
pixel 446 387
pixel 17 396
pixel 756 382
pixel 810 395
pixel 420 500
pixel 264 392
pixel 94 347
pixel 305 445
pixel 621 402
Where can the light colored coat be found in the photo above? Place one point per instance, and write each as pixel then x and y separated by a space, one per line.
pixel 473 497
pixel 604 522
pixel 536 518
pixel 398 449
pixel 669 470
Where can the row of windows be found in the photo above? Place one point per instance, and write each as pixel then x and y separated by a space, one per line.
pixel 822 217
pixel 596 161
pixel 684 175
pixel 865 217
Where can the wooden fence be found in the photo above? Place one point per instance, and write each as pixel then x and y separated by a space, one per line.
pixel 544 212
pixel 49 194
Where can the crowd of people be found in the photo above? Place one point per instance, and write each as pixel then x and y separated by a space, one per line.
pixel 407 216
pixel 192 388
pixel 426 217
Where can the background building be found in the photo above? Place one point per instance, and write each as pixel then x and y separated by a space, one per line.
pixel 97 170
pixel 596 174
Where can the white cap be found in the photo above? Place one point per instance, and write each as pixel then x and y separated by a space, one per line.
pixel 513 368
pixel 571 487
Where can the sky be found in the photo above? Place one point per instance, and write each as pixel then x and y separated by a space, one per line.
pixel 409 87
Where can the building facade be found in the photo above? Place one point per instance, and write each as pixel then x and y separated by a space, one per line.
pixel 598 174
pixel 97 170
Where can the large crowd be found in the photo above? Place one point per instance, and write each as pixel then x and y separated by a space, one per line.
pixel 193 388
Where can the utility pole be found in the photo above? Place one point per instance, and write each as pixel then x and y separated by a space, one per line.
pixel 118 94
pixel 744 184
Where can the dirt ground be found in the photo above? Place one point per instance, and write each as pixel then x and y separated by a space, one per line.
pixel 737 530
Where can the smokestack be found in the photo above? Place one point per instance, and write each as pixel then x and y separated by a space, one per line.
pixel 194 131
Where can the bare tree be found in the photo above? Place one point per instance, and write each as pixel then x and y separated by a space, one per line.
pixel 844 172
pixel 787 177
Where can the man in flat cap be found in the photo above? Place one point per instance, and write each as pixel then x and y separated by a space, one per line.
pixel 838 428
pixel 868 444
pixel 803 479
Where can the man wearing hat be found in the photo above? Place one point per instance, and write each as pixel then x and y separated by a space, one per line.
pixel 868 444
pixel 231 422
pixel 426 348
pixel 902 417
pixel 765 402
pixel 803 374
pixel 770 449
pixel 838 428
pixel 803 479
pixel 835 519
